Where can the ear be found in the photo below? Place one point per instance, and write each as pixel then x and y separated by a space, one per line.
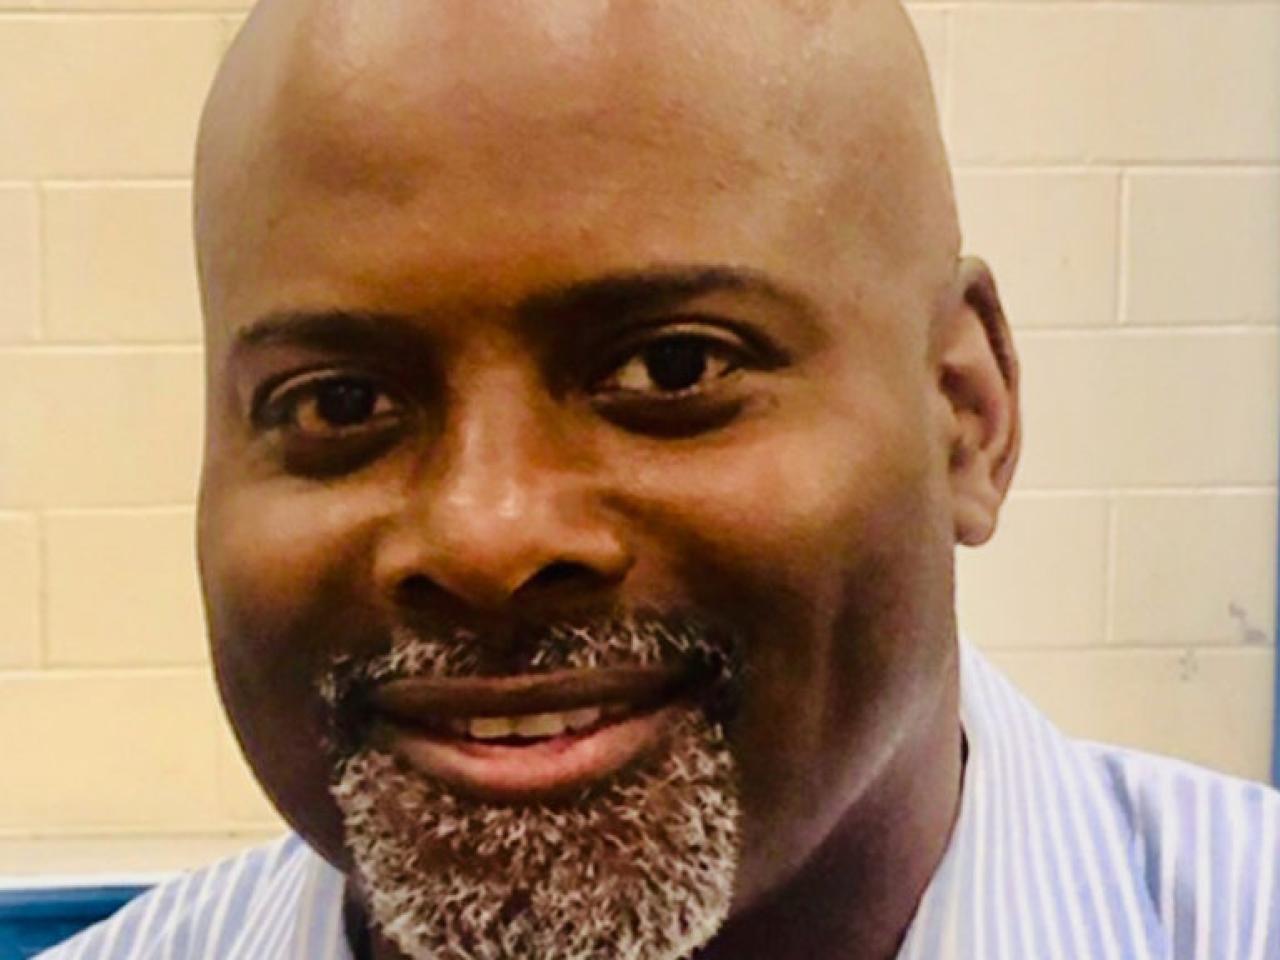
pixel 978 376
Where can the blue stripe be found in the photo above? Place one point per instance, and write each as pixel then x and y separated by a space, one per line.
pixel 1220 840
pixel 1275 723
pixel 1183 891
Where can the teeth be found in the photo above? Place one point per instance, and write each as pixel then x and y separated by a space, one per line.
pixel 581 719
pixel 491 728
pixel 531 725
pixel 540 725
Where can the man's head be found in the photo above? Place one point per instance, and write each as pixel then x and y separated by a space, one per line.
pixel 571 354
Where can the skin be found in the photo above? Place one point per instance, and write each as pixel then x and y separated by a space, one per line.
pixel 501 191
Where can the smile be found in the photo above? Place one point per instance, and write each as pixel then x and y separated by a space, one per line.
pixel 531 737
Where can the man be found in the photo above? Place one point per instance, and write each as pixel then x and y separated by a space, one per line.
pixel 596 395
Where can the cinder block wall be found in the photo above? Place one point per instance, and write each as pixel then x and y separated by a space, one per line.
pixel 1119 165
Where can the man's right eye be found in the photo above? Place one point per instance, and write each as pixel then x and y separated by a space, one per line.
pixel 329 407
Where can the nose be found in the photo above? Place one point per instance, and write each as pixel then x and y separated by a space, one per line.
pixel 502 514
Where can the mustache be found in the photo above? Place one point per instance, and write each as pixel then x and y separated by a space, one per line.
pixel 704 646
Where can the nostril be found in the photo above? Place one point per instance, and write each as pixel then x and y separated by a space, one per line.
pixel 421 592
pixel 416 590
pixel 560 573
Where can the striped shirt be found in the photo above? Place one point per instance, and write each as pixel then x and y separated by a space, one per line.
pixel 1062 851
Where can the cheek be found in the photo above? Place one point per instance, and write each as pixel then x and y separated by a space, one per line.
pixel 275 553
pixel 283 594
pixel 286 588
pixel 791 498
pixel 813 540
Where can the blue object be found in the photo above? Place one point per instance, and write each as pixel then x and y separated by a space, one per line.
pixel 33 919
pixel 1275 641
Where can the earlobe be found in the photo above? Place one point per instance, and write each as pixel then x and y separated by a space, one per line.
pixel 978 376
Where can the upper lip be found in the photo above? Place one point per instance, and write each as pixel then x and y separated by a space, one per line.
pixel 414 699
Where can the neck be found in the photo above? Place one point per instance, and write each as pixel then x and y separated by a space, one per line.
pixel 856 897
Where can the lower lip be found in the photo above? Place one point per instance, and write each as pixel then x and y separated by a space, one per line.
pixel 539 770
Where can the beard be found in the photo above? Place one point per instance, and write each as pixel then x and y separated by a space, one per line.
pixel 640 866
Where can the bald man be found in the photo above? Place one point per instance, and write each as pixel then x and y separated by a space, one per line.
pixel 596 396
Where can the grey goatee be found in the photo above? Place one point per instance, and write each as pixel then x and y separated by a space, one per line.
pixel 638 867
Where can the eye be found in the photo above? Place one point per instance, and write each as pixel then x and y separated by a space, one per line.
pixel 330 406
pixel 673 365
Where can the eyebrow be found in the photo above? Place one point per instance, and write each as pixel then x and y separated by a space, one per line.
pixel 638 291
pixel 332 329
pixel 611 295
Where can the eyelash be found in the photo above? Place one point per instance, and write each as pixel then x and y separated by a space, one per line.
pixel 277 401
pixel 738 352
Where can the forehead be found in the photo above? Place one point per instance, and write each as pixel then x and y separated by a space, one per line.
pixel 403 145
pixel 468 73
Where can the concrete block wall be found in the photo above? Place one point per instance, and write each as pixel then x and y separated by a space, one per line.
pixel 1117 162
pixel 1119 166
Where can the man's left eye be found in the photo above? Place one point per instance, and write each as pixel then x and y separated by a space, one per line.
pixel 673 365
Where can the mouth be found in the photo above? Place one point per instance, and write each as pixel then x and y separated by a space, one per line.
pixel 530 737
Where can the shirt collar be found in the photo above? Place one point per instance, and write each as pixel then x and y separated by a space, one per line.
pixel 1040 862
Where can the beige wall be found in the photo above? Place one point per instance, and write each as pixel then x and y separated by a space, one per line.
pixel 1119 164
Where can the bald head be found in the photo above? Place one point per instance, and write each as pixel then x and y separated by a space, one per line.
pixel 534 124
